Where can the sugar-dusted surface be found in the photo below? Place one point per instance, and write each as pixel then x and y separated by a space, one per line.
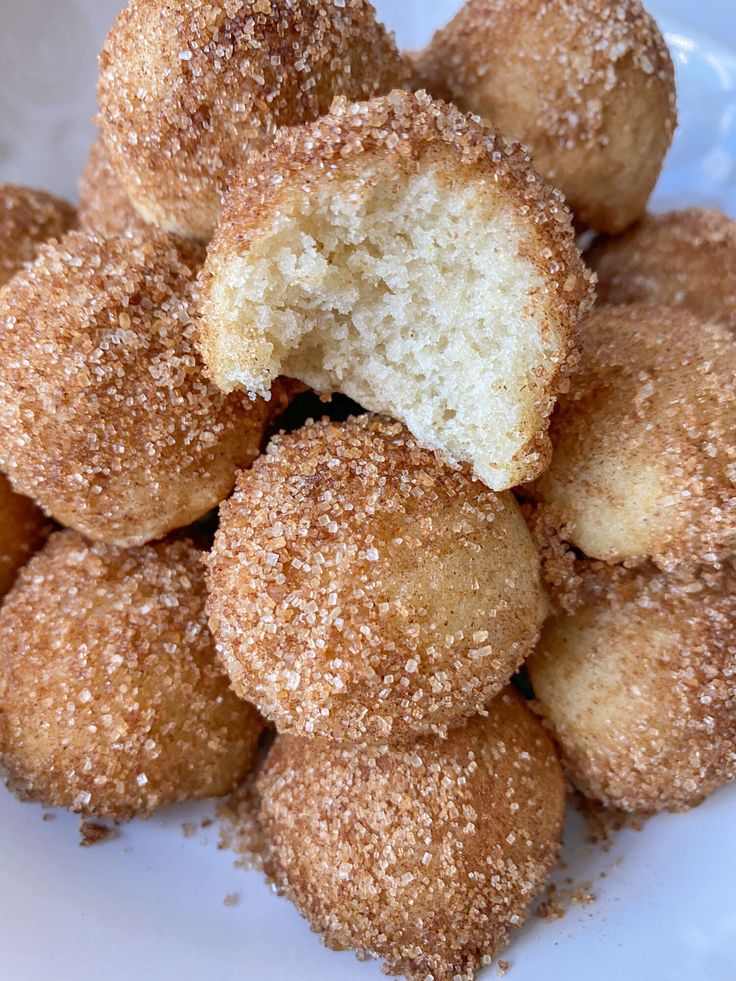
pixel 645 458
pixel 639 927
pixel 28 218
pixel 404 254
pixel 188 88
pixel 425 857
pixel 639 688
pixel 361 589
pixel 104 205
pixel 681 258
pixel 112 701
pixel 587 84
pixel 106 417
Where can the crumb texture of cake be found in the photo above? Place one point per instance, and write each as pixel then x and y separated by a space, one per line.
pixel 106 417
pixel 361 589
pixel 683 258
pixel 644 462
pixel 112 700
pixel 189 88
pixel 28 218
pixel 425 857
pixel 405 255
pixel 639 689
pixel 588 85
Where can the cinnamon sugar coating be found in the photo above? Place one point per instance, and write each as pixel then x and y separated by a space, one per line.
pixel 425 857
pixel 106 418
pixel 189 89
pixel 639 689
pixel 644 464
pixel 682 258
pixel 104 205
pixel 587 84
pixel 360 589
pixel 112 702
pixel 22 530
pixel 471 282
pixel 28 218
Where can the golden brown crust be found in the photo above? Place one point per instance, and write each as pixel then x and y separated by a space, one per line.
pixel 187 89
pixel 106 418
pixel 22 530
pixel 112 702
pixel 361 589
pixel 588 84
pixel 644 447
pixel 683 258
pixel 638 688
pixel 104 206
pixel 425 857
pixel 28 218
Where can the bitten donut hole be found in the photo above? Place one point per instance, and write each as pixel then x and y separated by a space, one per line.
pixel 410 295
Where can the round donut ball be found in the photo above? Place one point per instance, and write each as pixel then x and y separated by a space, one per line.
pixel 360 589
pixel 587 84
pixel 189 88
pixel 683 258
pixel 426 856
pixel 28 218
pixel 106 417
pixel 639 689
pixel 401 253
pixel 112 701
pixel 22 529
pixel 104 206
pixel 645 456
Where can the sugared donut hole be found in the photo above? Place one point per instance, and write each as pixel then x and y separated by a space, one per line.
pixel 637 687
pixel 587 85
pixel 107 418
pixel 425 856
pixel 188 90
pixel 643 463
pixel 394 288
pixel 361 589
pixel 682 259
pixel 112 701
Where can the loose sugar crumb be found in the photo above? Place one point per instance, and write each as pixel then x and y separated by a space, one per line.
pixel 93 833
pixel 240 829
pixel 558 901
pixel 605 822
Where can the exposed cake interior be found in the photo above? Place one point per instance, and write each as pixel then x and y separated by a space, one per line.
pixel 416 296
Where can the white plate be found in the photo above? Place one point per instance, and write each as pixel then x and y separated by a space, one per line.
pixel 149 905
